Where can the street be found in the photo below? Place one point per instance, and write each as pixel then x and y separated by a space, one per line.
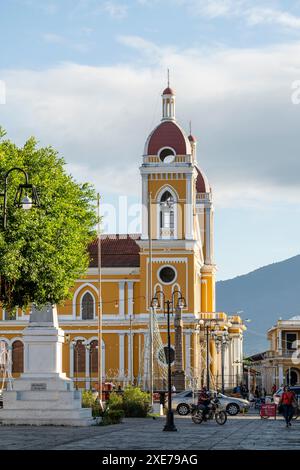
pixel 240 432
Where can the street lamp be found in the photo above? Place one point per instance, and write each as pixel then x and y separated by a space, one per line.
pixel 21 197
pixel 208 323
pixel 222 339
pixel 168 309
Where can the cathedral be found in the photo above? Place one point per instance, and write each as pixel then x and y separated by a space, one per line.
pixel 172 258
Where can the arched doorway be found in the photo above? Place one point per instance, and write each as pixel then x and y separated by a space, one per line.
pixel 292 377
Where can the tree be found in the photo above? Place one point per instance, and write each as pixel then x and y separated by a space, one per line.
pixel 43 250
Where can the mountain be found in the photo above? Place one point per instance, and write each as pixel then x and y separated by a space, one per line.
pixel 264 295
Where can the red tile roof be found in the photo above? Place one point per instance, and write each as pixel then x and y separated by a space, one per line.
pixel 116 251
pixel 167 134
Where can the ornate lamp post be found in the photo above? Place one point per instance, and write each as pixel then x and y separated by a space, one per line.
pixel 222 339
pixel 21 197
pixel 168 309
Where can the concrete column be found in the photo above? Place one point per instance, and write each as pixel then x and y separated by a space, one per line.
pixel 189 208
pixel 87 368
pixel 207 235
pixel 130 356
pixel 279 336
pixel 280 375
pixel 188 352
pixel 130 297
pixel 121 298
pixel 121 355
pixel 71 360
pixel 144 207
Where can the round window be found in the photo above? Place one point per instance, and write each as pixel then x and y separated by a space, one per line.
pixel 167 155
pixel 167 274
pixel 163 355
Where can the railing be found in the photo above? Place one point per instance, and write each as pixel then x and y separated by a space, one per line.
pixel 203 197
pixel 148 159
pixel 167 233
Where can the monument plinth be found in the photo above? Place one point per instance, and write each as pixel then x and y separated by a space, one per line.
pixel 43 395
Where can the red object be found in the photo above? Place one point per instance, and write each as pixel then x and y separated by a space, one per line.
pixel 288 398
pixel 202 185
pixel 268 410
pixel 168 134
pixel 116 250
pixel 168 91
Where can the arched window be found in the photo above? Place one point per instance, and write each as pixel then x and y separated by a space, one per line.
pixel 87 307
pixel 79 357
pixel 166 216
pixel 17 357
pixel 94 356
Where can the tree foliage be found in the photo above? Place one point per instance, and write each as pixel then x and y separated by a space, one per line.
pixel 43 250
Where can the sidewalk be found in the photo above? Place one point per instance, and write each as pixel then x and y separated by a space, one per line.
pixel 241 432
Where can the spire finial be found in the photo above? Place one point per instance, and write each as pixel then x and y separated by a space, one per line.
pixel 168 78
pixel 190 124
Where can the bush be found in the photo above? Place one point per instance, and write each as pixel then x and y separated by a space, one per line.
pixel 115 401
pixel 88 400
pixel 136 403
pixel 112 417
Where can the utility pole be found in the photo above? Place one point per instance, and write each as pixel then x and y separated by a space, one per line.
pixel 99 308
pixel 150 367
pixel 207 359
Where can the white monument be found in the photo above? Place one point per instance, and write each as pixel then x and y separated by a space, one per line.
pixel 43 395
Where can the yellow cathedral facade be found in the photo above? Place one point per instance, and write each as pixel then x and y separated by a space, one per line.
pixel 174 253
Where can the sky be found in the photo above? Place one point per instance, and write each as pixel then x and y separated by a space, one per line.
pixel 86 77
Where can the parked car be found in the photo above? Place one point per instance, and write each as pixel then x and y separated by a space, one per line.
pixel 277 395
pixel 1 399
pixel 182 403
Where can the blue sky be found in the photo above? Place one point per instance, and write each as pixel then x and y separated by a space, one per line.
pixel 86 76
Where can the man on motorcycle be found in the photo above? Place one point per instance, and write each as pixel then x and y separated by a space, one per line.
pixel 204 400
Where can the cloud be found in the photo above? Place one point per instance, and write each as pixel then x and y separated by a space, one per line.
pixel 60 40
pixel 239 102
pixel 115 10
pixel 253 12
pixel 270 16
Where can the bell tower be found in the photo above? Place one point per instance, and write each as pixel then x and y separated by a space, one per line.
pixel 177 231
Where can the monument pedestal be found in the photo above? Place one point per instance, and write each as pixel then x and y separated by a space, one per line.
pixel 43 395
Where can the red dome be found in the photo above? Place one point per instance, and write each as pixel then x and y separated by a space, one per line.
pixel 168 91
pixel 167 134
pixel 202 185
pixel 192 138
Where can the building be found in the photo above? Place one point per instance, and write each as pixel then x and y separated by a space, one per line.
pixel 280 365
pixel 178 256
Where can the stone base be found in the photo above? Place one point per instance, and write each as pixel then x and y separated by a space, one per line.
pixel 178 380
pixel 44 401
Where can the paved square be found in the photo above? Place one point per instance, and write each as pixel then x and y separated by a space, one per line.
pixel 241 432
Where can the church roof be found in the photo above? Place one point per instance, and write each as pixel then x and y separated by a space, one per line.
pixel 116 251
pixel 168 134
pixel 202 184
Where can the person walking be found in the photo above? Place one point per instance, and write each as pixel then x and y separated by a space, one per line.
pixel 287 401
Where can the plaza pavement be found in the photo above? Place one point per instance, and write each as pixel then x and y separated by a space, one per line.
pixel 241 432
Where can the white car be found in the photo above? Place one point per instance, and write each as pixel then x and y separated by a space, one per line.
pixel 277 395
pixel 182 401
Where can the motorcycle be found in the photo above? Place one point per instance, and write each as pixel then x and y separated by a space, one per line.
pixel 213 411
